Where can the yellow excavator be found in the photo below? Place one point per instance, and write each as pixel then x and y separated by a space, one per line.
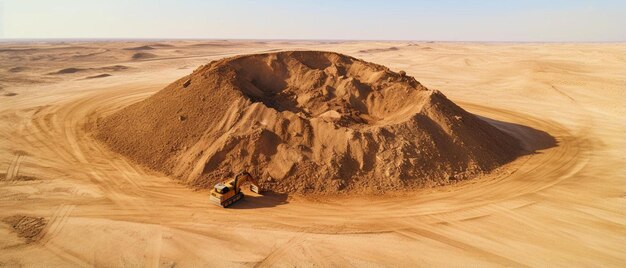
pixel 226 193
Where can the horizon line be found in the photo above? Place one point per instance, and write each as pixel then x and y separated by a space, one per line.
pixel 78 39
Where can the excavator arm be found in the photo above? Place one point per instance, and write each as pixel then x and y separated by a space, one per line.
pixel 243 177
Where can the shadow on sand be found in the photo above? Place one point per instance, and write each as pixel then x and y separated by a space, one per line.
pixel 267 200
pixel 530 138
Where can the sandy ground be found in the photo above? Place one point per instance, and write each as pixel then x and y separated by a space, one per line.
pixel 565 205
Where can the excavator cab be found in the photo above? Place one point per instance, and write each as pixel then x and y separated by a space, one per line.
pixel 221 188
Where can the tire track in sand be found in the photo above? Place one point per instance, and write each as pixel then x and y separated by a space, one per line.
pixel 56 223
pixel 275 255
pixel 12 167
pixel 416 233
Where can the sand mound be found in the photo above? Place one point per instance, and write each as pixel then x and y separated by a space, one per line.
pixel 97 76
pixel 377 50
pixel 143 55
pixel 312 121
pixel 161 45
pixel 113 68
pixel 69 70
pixel 72 70
pixel 140 48
pixel 18 69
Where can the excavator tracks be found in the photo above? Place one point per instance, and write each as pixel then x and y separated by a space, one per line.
pixel 232 200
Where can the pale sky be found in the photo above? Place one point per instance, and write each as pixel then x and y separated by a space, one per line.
pixel 447 20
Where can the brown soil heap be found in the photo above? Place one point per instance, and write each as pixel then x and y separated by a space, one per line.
pixel 28 227
pixel 306 121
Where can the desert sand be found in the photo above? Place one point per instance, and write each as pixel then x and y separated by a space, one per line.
pixel 68 199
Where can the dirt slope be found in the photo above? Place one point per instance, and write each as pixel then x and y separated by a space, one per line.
pixel 312 121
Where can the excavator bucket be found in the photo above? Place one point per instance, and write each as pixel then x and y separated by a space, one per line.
pixel 254 188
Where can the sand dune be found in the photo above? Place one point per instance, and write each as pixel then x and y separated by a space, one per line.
pixel 376 50
pixel 73 70
pixel 18 69
pixel 70 70
pixel 98 76
pixel 146 47
pixel 161 45
pixel 143 55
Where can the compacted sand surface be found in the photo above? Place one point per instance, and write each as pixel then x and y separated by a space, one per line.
pixel 68 199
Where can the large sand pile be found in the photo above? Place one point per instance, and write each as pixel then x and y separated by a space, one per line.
pixel 312 121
